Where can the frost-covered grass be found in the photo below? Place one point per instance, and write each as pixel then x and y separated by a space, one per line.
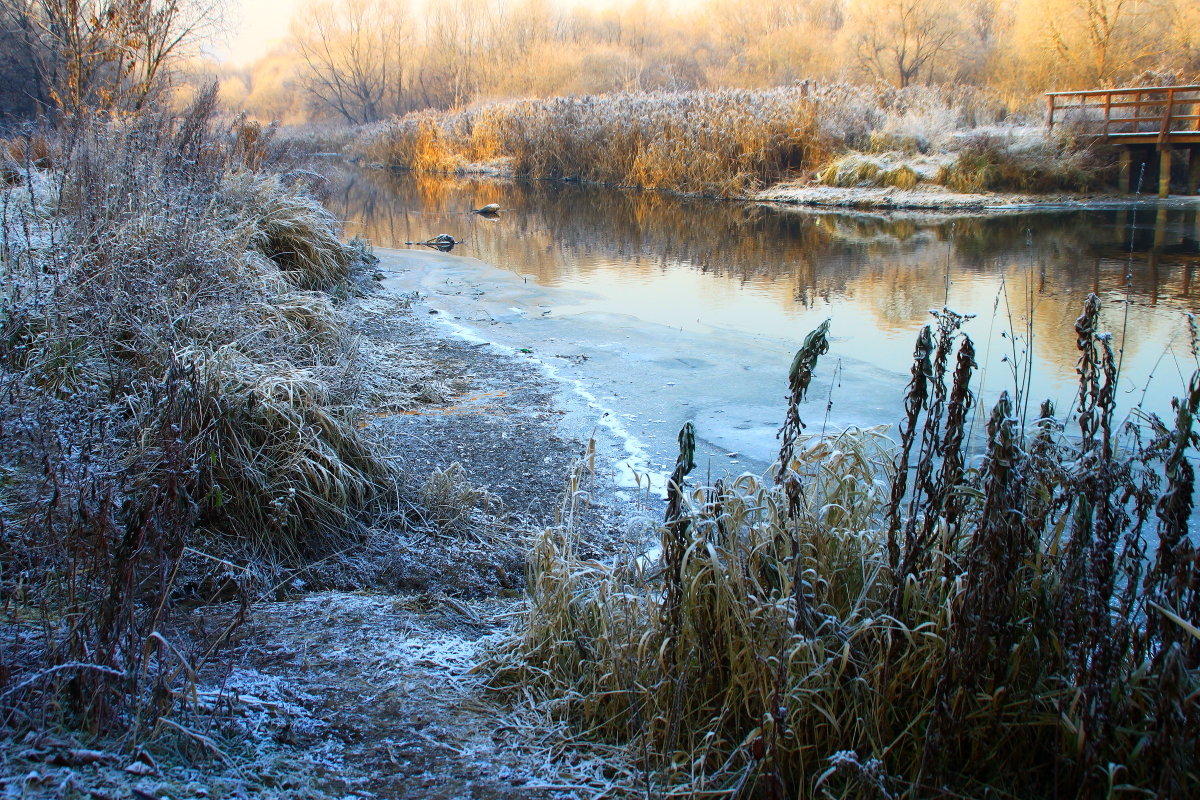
pixel 857 169
pixel 721 143
pixel 882 619
pixel 730 142
pixel 179 411
pixel 1004 163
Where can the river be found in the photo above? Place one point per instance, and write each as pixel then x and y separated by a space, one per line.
pixel 657 310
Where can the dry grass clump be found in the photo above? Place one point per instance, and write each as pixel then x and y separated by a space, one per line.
pixel 852 169
pixel 885 620
pixel 292 467
pixel 857 169
pixel 292 229
pixel 1003 164
pixel 175 412
pixel 901 177
pixel 454 507
pixel 34 148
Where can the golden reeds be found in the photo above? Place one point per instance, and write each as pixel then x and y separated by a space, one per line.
pixel 729 142
pixel 718 143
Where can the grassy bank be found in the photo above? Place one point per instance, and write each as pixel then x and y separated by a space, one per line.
pixel 179 413
pixel 887 619
pixel 730 142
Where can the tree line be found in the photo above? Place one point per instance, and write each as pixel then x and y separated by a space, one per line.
pixel 359 61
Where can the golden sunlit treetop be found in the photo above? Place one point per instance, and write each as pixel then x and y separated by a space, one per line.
pixel 358 61
pixel 362 60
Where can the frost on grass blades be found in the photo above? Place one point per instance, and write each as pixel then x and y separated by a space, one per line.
pixel 178 419
pixel 731 142
pixel 885 620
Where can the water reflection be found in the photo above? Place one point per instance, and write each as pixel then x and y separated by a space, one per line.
pixel 776 272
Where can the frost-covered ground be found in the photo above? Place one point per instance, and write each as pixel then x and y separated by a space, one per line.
pixel 377 688
pixel 933 197
pixel 334 695
pixel 925 196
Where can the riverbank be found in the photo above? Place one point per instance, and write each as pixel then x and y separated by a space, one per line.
pixel 940 149
pixel 358 675
pixel 259 516
pixel 925 197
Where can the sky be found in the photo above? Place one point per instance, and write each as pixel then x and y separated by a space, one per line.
pixel 255 26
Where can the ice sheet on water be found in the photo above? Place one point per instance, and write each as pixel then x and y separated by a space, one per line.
pixel 730 383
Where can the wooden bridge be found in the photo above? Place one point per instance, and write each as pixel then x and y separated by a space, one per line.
pixel 1140 121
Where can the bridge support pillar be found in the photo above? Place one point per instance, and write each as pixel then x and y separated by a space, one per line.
pixel 1124 170
pixel 1164 172
pixel 1193 186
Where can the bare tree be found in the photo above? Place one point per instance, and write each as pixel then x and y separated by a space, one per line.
pixel 899 40
pixel 353 57
pixel 459 37
pixel 107 54
pixel 1098 41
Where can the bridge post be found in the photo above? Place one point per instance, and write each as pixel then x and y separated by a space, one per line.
pixel 1164 172
pixel 1124 170
pixel 1193 184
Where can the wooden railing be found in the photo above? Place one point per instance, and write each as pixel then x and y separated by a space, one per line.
pixel 1161 115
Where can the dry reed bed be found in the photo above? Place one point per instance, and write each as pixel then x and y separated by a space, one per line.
pixel 727 143
pixel 885 620
pixel 178 414
pixel 710 142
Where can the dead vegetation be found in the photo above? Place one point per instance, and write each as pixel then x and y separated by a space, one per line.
pixel 176 418
pixel 993 163
pixel 728 143
pixel 894 619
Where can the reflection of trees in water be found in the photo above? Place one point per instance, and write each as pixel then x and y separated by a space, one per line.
pixel 896 264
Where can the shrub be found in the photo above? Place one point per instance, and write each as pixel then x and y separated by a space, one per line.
pixel 173 413
pixel 882 619
pixel 998 163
